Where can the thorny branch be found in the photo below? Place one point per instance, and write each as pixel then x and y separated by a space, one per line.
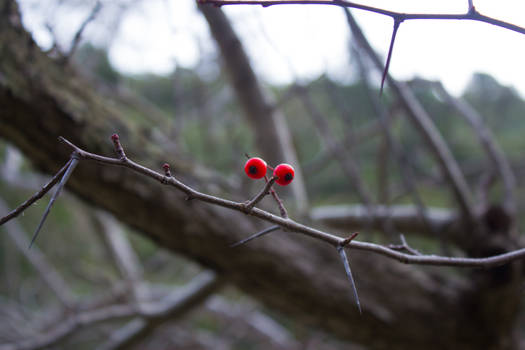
pixel 293 226
pixel 472 14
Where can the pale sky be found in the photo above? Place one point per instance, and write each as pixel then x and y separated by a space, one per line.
pixel 303 41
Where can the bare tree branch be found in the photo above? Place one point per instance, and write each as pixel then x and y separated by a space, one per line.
pixel 500 163
pixel 294 226
pixel 472 13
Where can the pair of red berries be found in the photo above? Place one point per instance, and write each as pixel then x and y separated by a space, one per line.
pixel 256 168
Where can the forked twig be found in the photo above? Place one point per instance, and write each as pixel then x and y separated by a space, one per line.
pixel 404 246
pixel 265 190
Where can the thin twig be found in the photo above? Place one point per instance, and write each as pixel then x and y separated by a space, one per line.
pixel 293 226
pixel 405 168
pixel 486 138
pixel 73 163
pixel 78 35
pixel 54 180
pixel 256 235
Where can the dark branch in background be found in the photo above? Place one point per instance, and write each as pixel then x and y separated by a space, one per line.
pixel 406 218
pixel 419 116
pixel 48 272
pixel 80 31
pixel 340 153
pixel 472 13
pixel 405 168
pixel 487 140
pixel 273 137
pixel 171 308
pixel 293 226
pixel 426 127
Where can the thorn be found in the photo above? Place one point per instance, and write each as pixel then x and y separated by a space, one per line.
pixel 349 239
pixel 256 235
pixel 397 22
pixel 344 258
pixel 72 165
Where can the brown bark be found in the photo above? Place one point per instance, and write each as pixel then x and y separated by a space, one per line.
pixel 404 307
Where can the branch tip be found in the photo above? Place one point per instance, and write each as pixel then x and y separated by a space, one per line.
pixel 349 239
pixel 118 147
pixel 166 168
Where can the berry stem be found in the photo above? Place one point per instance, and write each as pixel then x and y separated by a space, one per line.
pixel 250 204
pixel 275 196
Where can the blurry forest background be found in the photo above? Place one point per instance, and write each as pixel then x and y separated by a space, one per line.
pixel 100 278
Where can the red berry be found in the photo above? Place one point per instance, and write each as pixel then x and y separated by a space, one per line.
pixel 284 173
pixel 255 168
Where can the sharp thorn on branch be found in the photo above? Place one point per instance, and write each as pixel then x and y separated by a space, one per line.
pixel 397 22
pixel 344 258
pixel 73 163
pixel 256 235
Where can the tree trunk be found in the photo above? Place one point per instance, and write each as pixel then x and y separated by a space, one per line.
pixel 405 307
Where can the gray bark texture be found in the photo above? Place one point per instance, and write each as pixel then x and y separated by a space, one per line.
pixel 404 307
